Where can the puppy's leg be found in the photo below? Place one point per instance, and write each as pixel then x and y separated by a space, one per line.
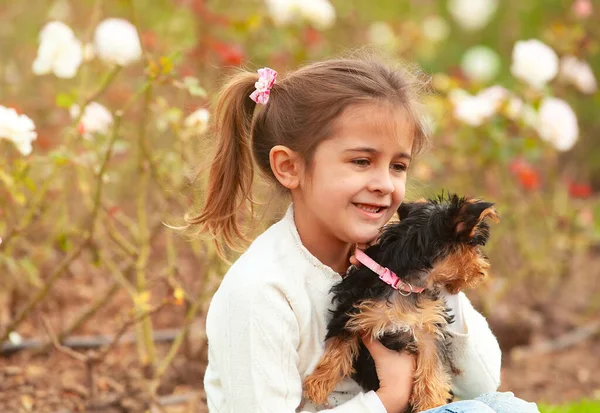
pixel 335 364
pixel 431 386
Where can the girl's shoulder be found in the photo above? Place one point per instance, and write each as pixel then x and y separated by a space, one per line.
pixel 269 259
pixel 277 264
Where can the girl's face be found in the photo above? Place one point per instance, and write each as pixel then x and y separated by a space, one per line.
pixel 357 177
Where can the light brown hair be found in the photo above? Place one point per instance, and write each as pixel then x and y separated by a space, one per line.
pixel 300 114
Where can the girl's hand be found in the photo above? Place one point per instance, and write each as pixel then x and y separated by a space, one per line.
pixel 395 372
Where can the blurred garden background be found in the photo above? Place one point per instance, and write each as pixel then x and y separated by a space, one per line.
pixel 105 107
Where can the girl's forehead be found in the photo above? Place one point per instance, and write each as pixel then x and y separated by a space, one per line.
pixel 375 123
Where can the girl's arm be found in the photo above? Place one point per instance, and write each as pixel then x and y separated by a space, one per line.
pixel 476 350
pixel 252 337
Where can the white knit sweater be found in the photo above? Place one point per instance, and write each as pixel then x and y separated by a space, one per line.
pixel 266 327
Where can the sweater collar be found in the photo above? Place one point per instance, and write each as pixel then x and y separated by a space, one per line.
pixel 306 255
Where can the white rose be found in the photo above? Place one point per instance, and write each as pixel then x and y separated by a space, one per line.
pixel 96 119
pixel 494 95
pixel 517 110
pixel 472 14
pixel 474 110
pixel 19 129
pixel 456 95
pixel 282 12
pixel 382 35
pixel 579 73
pixel 197 120
pixel 468 110
pixel 435 28
pixel 529 116
pixel 481 63
pixel 557 123
pixel 59 51
pixel 320 13
pixel 117 42
pixel 514 108
pixel 534 62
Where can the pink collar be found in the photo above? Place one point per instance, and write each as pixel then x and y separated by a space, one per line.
pixel 386 275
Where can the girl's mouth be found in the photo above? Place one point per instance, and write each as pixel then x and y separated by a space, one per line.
pixel 371 210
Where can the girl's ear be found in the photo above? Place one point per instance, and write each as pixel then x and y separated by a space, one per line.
pixel 287 166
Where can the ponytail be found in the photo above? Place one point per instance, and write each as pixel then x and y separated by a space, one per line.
pixel 231 172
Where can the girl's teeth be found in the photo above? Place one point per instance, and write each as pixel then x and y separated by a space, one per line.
pixel 369 209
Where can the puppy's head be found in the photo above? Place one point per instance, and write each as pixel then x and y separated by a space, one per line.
pixel 438 242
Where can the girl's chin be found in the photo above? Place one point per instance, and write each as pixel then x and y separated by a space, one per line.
pixel 364 237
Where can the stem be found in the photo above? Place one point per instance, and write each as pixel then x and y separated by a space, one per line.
pixel 103 86
pixel 120 240
pixel 145 343
pixel 121 276
pixel 166 362
pixel 83 318
pixel 32 211
pixel 41 294
pixel 93 309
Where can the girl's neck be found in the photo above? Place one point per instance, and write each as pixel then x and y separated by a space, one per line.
pixel 331 252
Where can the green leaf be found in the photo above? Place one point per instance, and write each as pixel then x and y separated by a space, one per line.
pixel 32 274
pixel 192 85
pixel 65 100
pixel 64 243
pixel 7 179
pixel 30 184
pixel 197 91
pixel 59 157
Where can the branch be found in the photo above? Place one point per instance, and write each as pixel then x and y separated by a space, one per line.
pixel 98 304
pixel 102 354
pixel 63 349
pixel 41 294
pixel 567 340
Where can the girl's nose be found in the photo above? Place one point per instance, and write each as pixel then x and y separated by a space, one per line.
pixel 382 182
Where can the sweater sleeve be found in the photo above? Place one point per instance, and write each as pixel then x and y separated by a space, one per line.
pixel 253 335
pixel 476 352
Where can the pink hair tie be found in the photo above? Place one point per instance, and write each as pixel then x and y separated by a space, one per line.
pixel 266 80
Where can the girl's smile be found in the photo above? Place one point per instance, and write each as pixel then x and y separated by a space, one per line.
pixel 372 211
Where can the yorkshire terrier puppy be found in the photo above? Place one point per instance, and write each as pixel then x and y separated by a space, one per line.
pixel 395 297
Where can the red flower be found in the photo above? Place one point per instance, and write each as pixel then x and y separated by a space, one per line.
pixel 577 190
pixel 312 37
pixel 526 174
pixel 229 55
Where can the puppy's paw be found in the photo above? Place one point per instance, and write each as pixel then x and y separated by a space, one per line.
pixel 317 389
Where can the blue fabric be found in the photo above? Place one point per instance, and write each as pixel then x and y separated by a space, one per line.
pixel 489 403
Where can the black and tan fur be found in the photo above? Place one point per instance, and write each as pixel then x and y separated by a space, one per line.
pixel 435 244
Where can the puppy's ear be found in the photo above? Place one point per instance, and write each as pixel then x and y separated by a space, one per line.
pixel 405 207
pixel 471 214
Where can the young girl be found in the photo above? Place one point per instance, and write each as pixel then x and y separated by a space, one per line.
pixel 339 136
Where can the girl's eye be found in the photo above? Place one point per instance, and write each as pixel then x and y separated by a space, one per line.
pixel 399 167
pixel 361 162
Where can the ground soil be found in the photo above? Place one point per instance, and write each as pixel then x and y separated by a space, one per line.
pixel 56 382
